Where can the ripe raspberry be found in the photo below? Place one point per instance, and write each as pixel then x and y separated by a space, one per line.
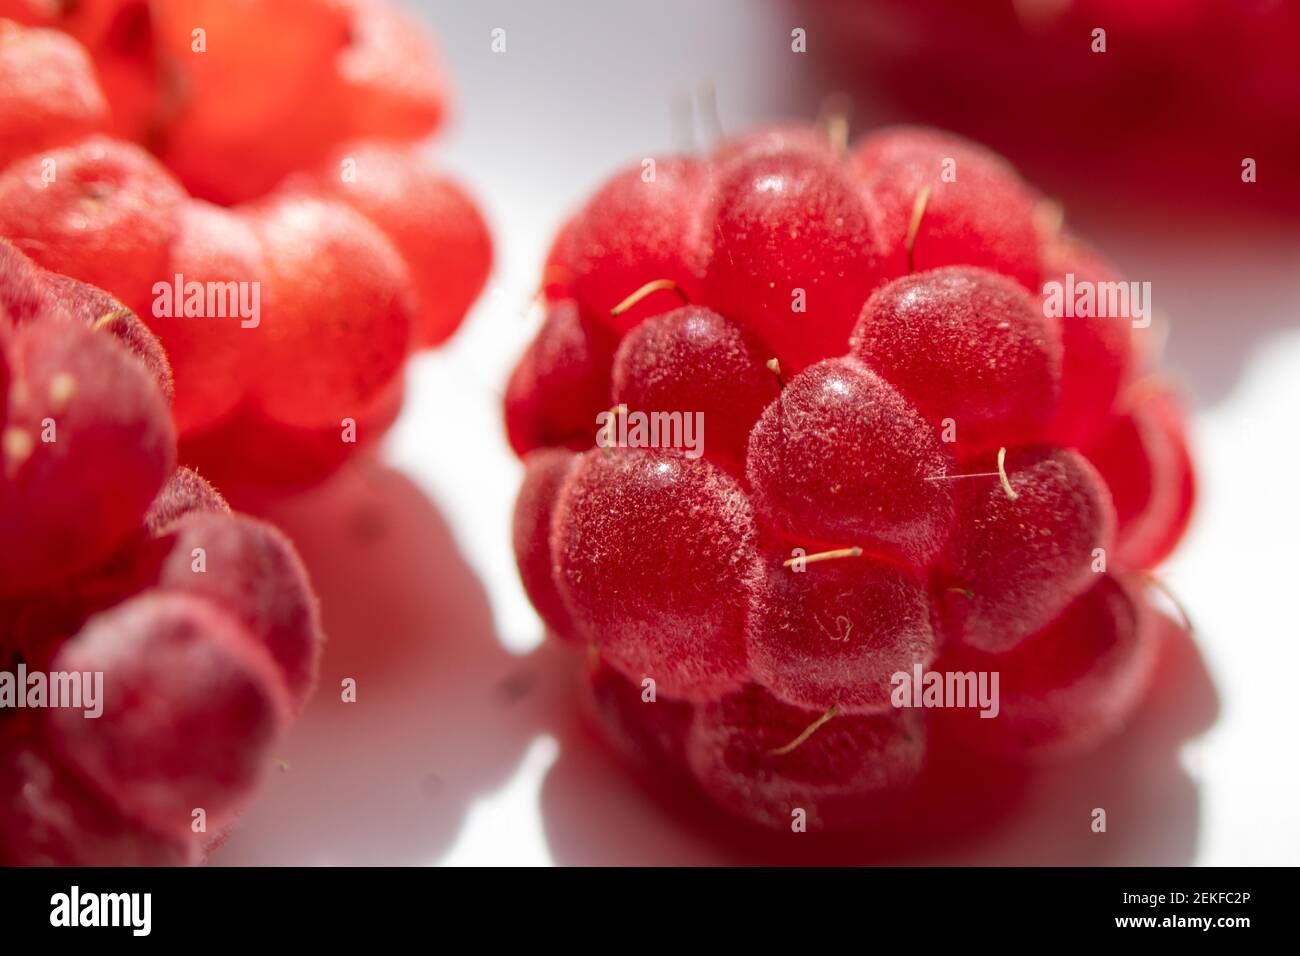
pixel 560 384
pixel 48 93
pixel 87 443
pixel 635 585
pixel 322 256
pixel 1071 684
pixel 850 773
pixel 1142 453
pixel 107 218
pixel 546 471
pixel 694 359
pixel 841 458
pixel 201 622
pixel 834 634
pixel 1012 566
pixel 969 346
pixel 919 494
pixel 231 113
pixel 431 221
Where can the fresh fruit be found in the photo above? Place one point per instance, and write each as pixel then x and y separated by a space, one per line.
pixel 911 463
pixel 339 249
pixel 1204 84
pixel 190 634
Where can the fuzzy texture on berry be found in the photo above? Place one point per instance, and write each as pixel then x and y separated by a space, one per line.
pixel 910 460
pixel 260 203
pixel 201 622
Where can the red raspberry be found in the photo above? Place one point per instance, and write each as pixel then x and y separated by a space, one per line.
pixel 1212 77
pixel 367 255
pixel 926 469
pixel 107 218
pixel 1070 685
pixel 50 94
pixel 202 623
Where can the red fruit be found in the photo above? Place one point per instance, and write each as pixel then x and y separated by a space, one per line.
pixel 693 360
pixel 842 459
pixel 780 138
pixel 252 571
pixel 29 292
pixel 643 225
pixel 1097 352
pixel 654 555
pixel 648 734
pixel 48 94
pixel 186 492
pixel 674 568
pixel 87 444
pixel 211 350
pixel 1070 685
pixel 107 217
pixel 968 345
pixel 835 633
pixel 339 324
pixel 50 818
pixel 561 384
pixel 431 221
pixel 62 297
pixel 1013 565
pixel 250 454
pixel 849 773
pixel 973 208
pixel 390 78
pixel 1142 453
pixel 795 253
pixel 259 59
pixel 190 705
pixel 547 470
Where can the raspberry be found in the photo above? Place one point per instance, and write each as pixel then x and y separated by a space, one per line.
pixel 693 359
pixel 967 345
pixel 1142 453
pixel 211 369
pixel 982 216
pixel 48 93
pixel 635 535
pixel 1217 74
pixel 202 623
pixel 938 486
pixel 1012 566
pixel 632 232
pixel 1097 352
pixel 87 444
pixel 650 736
pixel 834 634
pixel 107 218
pixel 1071 684
pixel 322 256
pixel 560 384
pixel 198 743
pixel 27 291
pixel 788 224
pixel 260 59
pixel 546 471
pixel 848 774
pixel 841 458
pixel 265 123
pixel 392 84
pixel 431 221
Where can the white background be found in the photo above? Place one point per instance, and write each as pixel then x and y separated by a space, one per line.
pixel 462 748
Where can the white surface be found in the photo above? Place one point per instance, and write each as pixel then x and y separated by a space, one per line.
pixel 582 89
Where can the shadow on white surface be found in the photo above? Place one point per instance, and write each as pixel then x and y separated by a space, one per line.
pixel 388 779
